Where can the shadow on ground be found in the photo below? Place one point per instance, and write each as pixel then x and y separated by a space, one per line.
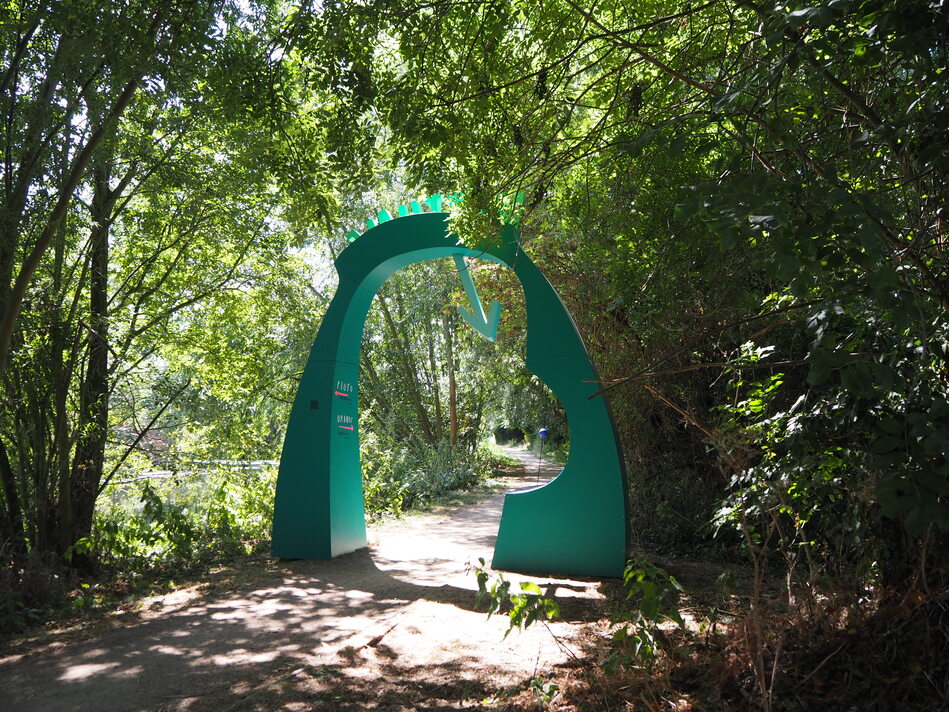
pixel 393 627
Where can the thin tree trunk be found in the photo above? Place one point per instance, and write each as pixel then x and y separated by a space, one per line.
pixel 45 507
pixel 391 420
pixel 61 369
pixel 412 384
pixel 80 497
pixel 433 364
pixel 476 430
pixel 452 387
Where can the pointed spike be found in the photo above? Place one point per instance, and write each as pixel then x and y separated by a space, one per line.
pixel 384 216
pixel 435 203
pixel 416 207
pixel 352 235
pixel 403 211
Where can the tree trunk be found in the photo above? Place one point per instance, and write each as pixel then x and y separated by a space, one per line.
pixel 452 387
pixel 390 418
pixel 411 377
pixel 89 457
pixel 436 391
pixel 11 521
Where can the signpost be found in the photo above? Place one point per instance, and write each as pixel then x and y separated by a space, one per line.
pixel 543 436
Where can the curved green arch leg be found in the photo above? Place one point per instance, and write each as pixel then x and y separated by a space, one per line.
pixel 575 524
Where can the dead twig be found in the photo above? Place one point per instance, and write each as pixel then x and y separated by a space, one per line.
pixel 821 664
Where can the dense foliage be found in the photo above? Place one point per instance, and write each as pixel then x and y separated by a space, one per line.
pixel 745 204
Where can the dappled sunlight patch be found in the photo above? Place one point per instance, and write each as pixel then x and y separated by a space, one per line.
pixel 358 595
pixel 76 673
pixel 241 656
pixel 170 650
pixel 291 588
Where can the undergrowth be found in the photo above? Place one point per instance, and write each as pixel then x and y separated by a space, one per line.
pixel 149 531
pixel 893 659
pixel 668 648
pixel 398 478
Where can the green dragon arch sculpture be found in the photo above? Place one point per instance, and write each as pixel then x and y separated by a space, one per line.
pixel 575 524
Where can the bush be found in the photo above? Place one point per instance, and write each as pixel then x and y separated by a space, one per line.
pixel 220 509
pixel 398 478
pixel 28 588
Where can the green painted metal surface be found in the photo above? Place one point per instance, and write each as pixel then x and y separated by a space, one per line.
pixel 575 524
pixel 484 324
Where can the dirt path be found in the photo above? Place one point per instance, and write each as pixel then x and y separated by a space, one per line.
pixel 393 627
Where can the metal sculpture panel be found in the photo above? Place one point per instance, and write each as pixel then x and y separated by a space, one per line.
pixel 575 524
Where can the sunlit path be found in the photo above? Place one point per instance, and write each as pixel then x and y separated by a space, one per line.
pixel 437 548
